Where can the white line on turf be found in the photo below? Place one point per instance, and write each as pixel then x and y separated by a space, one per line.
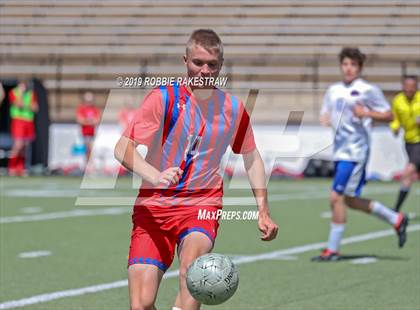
pixel 34 254
pixel 227 201
pixel 245 259
pixel 63 214
pixel 31 210
pixel 129 201
pixel 364 260
pixel 59 192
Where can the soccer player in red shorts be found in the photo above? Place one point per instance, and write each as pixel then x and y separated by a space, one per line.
pixel 88 117
pixel 23 106
pixel 187 130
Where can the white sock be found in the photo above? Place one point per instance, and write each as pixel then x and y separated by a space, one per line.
pixel 176 308
pixel 336 234
pixel 386 214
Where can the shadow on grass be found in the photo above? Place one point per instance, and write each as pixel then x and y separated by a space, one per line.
pixel 378 257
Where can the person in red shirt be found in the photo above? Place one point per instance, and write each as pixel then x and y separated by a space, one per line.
pixel 23 106
pixel 186 130
pixel 88 116
pixel 127 114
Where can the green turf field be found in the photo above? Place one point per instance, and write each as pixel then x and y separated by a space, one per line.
pixel 88 246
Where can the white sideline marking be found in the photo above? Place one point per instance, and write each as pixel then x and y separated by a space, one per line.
pixel 63 214
pixel 364 260
pixel 57 191
pixel 124 201
pixel 36 299
pixel 129 201
pixel 31 210
pixel 227 201
pixel 326 214
pixel 278 257
pixel 34 254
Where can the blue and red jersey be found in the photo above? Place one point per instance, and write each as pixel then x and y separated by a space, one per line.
pixel 182 131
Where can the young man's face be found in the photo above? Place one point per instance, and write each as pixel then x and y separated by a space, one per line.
pixel 350 69
pixel 22 87
pixel 88 98
pixel 202 63
pixel 410 87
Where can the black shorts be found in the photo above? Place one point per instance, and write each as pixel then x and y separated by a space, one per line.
pixel 413 152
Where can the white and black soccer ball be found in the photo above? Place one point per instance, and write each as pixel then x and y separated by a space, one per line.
pixel 212 279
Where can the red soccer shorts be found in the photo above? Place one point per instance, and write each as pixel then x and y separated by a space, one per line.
pixel 22 129
pixel 157 231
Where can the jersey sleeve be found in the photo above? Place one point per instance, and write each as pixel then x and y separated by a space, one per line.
pixel 80 112
pixel 376 100
pixel 243 138
pixel 146 124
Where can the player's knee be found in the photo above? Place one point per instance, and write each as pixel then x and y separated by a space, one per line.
pixel 335 198
pixel 142 305
pixel 144 301
pixel 411 169
pixel 183 268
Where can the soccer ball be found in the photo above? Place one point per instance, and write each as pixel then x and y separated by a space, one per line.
pixel 212 279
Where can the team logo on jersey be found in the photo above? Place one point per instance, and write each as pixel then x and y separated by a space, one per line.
pixel 354 93
pixel 181 106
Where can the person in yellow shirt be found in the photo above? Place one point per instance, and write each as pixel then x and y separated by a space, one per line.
pixel 406 110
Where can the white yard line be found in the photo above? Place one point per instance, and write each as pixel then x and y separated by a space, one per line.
pixel 129 201
pixel 241 260
pixel 63 214
pixel 227 201
pixel 60 192
pixel 34 254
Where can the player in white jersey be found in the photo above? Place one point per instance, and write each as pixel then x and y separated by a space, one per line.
pixel 349 107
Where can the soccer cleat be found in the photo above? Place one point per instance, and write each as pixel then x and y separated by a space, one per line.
pixel 401 229
pixel 327 256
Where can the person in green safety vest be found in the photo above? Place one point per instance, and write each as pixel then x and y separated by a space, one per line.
pixel 23 106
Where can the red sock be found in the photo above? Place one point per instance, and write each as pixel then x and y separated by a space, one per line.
pixel 20 165
pixel 12 164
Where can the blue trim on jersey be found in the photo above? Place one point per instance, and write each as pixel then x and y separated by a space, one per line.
pixel 165 98
pixel 180 151
pixel 175 109
pixel 207 134
pixel 199 118
pixel 189 159
pixel 235 118
pixel 188 163
pixel 179 156
pixel 183 234
pixel 148 261
pixel 174 118
pixel 221 128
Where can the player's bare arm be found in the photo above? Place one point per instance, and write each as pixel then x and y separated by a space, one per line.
pixel 254 167
pixel 325 120
pixel 125 152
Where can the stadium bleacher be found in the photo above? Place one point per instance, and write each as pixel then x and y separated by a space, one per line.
pixel 287 46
